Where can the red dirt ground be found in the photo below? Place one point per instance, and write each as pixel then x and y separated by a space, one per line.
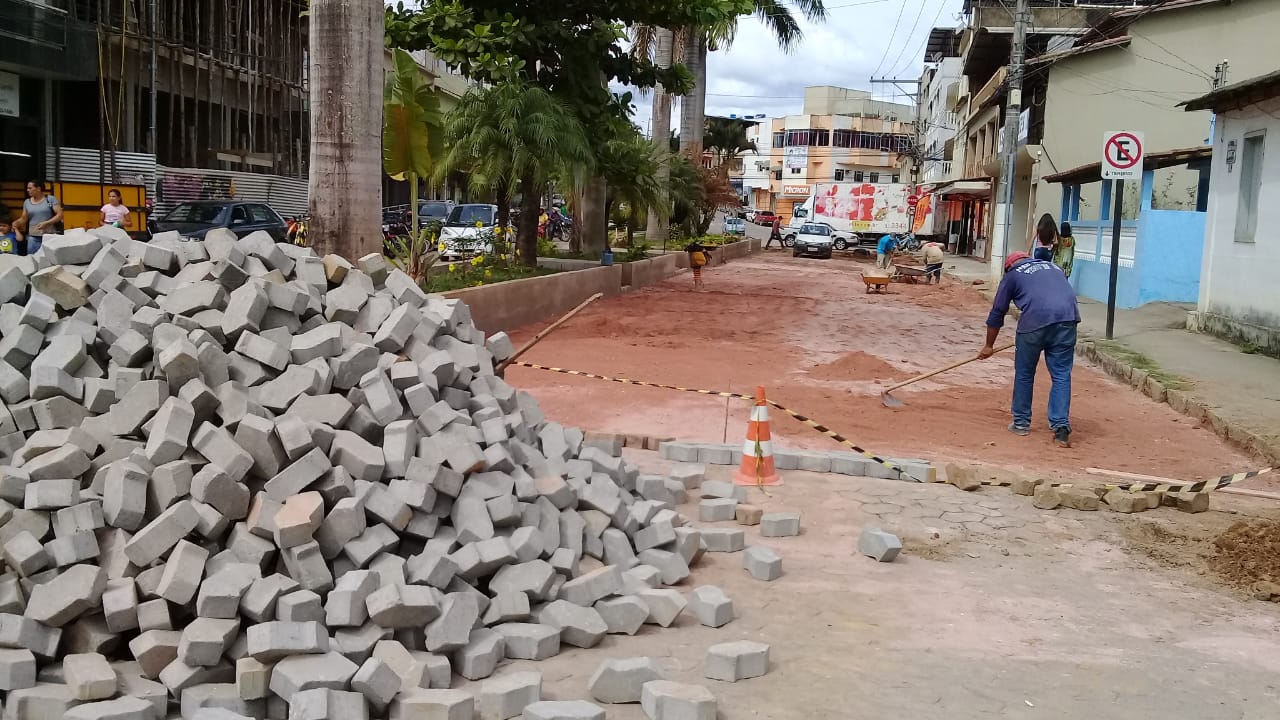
pixel 806 331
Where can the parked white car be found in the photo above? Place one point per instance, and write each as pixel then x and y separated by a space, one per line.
pixel 813 239
pixel 468 231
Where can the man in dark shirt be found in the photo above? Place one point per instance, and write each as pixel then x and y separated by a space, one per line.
pixel 1049 315
pixel 775 233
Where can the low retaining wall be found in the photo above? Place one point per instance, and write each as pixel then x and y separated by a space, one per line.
pixel 649 272
pixel 508 305
pixel 516 303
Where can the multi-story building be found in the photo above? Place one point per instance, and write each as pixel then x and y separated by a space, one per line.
pixel 177 99
pixel 1094 66
pixel 840 135
pixel 936 119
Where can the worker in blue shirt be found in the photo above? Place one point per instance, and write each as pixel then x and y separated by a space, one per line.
pixel 1049 315
pixel 884 251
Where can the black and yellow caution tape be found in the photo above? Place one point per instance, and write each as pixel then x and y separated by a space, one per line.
pixel 1194 487
pixel 720 393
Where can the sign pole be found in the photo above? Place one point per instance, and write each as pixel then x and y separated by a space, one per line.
pixel 1117 212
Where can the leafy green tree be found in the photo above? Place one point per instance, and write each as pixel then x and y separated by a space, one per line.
pixel 514 134
pixel 570 48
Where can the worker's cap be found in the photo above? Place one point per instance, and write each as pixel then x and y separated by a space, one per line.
pixel 1013 258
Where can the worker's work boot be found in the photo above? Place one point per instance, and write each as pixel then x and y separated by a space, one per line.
pixel 1017 429
pixel 1062 437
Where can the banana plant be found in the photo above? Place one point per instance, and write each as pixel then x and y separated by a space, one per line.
pixel 412 137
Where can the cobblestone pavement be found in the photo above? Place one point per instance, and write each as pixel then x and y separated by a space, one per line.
pixel 994 610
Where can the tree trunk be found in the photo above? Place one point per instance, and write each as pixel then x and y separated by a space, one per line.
pixel 503 201
pixel 527 233
pixel 660 131
pixel 346 75
pixel 693 106
pixel 595 222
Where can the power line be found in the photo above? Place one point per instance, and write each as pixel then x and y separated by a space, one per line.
pixel 941 6
pixel 892 35
pixel 910 33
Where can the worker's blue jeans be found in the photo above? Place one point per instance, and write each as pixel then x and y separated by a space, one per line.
pixel 1058 343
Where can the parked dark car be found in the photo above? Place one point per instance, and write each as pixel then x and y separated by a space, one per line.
pixel 434 211
pixel 193 220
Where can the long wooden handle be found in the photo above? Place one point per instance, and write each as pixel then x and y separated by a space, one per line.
pixel 941 370
pixel 545 332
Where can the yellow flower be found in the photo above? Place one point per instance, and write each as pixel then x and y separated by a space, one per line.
pixel 479 283
pixel 488 273
pixel 442 247
pixel 479 224
pixel 452 267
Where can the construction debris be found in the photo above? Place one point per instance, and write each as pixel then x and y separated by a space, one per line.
pixel 254 482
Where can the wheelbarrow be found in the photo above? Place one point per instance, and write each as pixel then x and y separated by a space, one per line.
pixel 910 273
pixel 876 279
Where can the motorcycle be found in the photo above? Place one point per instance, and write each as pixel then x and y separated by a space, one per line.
pixel 296 231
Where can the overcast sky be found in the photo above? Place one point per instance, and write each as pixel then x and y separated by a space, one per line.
pixel 755 76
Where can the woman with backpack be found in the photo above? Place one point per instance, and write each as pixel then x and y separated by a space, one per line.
pixel 41 214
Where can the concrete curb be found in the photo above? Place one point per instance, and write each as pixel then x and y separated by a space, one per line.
pixel 1182 401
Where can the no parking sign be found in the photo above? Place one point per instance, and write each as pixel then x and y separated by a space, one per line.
pixel 1122 155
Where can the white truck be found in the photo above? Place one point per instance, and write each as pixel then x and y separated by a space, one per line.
pixel 857 212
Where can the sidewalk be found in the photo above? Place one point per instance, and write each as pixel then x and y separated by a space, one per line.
pixel 1235 393
pixel 1242 391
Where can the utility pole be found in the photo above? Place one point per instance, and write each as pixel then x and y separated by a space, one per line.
pixel 1013 109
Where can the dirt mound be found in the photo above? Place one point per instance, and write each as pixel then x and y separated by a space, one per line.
pixel 856 366
pixel 1248 554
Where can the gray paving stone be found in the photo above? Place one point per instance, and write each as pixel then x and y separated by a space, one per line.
pixel 762 563
pixel 621 680
pixel 880 545
pixel 563 710
pixel 711 606
pixel 734 661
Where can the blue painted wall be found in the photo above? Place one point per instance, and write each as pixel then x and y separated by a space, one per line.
pixel 1092 280
pixel 1170 249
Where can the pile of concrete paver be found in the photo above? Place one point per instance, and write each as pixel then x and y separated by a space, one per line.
pixel 238 480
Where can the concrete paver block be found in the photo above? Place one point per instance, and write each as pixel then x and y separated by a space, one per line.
pixel 89 676
pixel 666 700
pixel 623 615
pixel 563 710
pixel 480 657
pixel 434 705
pixel 296 673
pixel 507 696
pixel 377 682
pixel 711 606
pixel 622 680
pixel 878 544
pixel 717 509
pixel 724 539
pixel 529 641
pixel 664 606
pixel 734 661
pixel 780 524
pixel 762 562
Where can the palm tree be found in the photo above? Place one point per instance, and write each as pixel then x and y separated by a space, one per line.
pixel 632 167
pixel 726 138
pixel 661 41
pixel 509 134
pixel 776 15
pixel 345 178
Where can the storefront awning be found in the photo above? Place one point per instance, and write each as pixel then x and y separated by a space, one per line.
pixel 963 187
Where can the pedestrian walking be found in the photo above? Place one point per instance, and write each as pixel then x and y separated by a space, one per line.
pixel 1046 238
pixel 1049 315
pixel 699 255
pixel 41 213
pixel 1065 254
pixel 775 234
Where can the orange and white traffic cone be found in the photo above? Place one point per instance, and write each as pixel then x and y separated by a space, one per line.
pixel 757 452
